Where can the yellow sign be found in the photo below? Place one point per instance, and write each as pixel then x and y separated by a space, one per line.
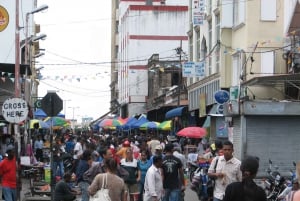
pixel 202 105
pixel 4 18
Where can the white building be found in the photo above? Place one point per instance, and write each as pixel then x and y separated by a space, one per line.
pixel 146 28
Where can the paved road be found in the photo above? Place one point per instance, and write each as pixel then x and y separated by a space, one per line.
pixel 189 194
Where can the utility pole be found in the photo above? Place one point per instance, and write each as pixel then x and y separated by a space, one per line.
pixel 179 51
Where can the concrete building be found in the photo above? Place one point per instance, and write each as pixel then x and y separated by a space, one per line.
pixel 143 28
pixel 255 61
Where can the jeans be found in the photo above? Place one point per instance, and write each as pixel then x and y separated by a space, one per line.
pixel 84 190
pixel 172 195
pixel 141 191
pixel 10 194
pixel 60 166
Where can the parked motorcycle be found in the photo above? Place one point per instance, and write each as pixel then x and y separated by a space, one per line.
pixel 289 183
pixel 200 181
pixel 274 184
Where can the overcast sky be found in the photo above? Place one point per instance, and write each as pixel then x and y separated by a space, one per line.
pixel 77 54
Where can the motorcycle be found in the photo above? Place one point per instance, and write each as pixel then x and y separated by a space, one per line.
pixel 192 167
pixel 274 184
pixel 289 183
pixel 200 181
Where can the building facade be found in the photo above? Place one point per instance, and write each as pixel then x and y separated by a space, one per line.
pixel 145 28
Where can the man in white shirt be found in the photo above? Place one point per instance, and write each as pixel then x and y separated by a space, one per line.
pixel 225 169
pixel 78 151
pixel 153 182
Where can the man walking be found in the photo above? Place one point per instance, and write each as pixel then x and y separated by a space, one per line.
pixel 153 181
pixel 225 169
pixel 173 178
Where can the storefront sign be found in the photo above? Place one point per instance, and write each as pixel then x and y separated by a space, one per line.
pixel 4 18
pixel 222 96
pixel 15 110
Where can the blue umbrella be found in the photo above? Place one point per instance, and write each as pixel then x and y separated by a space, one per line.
pixel 139 122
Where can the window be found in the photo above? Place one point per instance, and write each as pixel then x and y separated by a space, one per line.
pixel 209 47
pixel 198 46
pixel 268 10
pixel 267 63
pixel 236 69
pixel 217 34
pixel 238 12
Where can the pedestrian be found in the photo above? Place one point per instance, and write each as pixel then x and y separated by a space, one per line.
pixel 100 167
pixel 63 191
pixel 122 151
pixel 57 159
pixel 38 148
pixel 78 151
pixel 173 178
pixel 143 165
pixel 224 169
pixel 246 190
pixel 114 184
pixel 130 164
pixel 158 152
pixel 153 181
pixel 8 174
pixel 83 165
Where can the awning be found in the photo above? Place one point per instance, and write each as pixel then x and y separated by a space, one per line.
pixel 176 112
pixel 10 68
pixel 216 111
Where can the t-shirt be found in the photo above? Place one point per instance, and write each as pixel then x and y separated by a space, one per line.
pixel 236 192
pixel 143 166
pixel 78 148
pixel 131 167
pixel 8 173
pixel 63 192
pixel 170 167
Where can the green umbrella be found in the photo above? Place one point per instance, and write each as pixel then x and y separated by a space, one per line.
pixel 165 125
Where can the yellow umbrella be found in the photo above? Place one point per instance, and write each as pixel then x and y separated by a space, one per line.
pixel 165 125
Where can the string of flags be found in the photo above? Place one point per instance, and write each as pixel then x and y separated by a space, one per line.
pixel 11 76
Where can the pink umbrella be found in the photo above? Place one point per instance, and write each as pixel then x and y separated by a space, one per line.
pixel 192 132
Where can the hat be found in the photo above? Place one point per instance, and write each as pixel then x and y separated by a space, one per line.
pixel 10 147
pixel 158 147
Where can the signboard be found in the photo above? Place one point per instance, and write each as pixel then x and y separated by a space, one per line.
pixel 198 12
pixel 52 104
pixel 221 96
pixel 15 110
pixel 193 69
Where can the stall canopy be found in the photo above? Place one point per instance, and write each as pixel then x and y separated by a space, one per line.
pixel 139 122
pixel 39 113
pixel 176 112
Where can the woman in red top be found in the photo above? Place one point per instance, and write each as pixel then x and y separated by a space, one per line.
pixel 8 173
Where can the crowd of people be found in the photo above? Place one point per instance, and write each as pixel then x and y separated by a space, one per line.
pixel 141 167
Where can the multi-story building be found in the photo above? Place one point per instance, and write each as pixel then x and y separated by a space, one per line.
pixel 143 28
pixel 249 48
pixel 29 48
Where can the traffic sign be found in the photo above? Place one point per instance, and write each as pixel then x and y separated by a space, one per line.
pixel 15 110
pixel 221 96
pixel 51 104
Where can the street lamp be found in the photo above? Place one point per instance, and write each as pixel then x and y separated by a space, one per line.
pixel 73 120
pixel 65 107
pixel 36 38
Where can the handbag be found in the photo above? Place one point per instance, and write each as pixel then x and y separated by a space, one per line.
pixel 102 194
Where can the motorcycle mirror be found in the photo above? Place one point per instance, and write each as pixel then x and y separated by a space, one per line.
pixel 294 163
pixel 270 162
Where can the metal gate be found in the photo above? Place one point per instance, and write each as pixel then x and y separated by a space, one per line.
pixel 273 137
pixel 237 138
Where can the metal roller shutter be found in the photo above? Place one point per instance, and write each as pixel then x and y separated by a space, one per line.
pixel 276 138
pixel 237 138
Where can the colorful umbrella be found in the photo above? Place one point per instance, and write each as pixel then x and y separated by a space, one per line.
pixel 57 121
pixel 165 125
pixel 149 125
pixel 192 132
pixel 111 123
pixel 41 123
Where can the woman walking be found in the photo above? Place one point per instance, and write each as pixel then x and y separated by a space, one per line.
pixel 143 165
pixel 114 184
